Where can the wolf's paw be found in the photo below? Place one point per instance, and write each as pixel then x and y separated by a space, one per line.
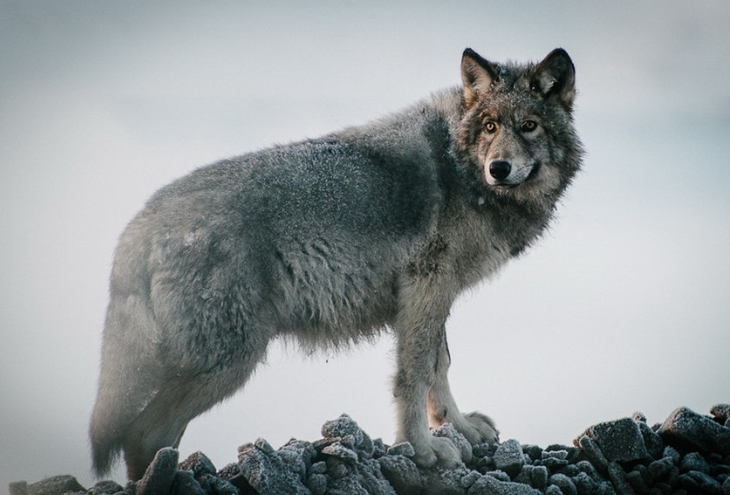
pixel 438 450
pixel 478 428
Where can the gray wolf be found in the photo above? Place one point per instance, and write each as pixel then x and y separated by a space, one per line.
pixel 329 241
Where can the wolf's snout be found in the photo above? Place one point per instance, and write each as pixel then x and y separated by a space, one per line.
pixel 499 169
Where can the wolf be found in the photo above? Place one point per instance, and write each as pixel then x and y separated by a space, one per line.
pixel 328 242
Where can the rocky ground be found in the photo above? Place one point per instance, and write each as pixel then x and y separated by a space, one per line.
pixel 687 454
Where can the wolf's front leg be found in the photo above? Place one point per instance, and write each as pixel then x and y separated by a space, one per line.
pixel 476 427
pixel 416 375
pixel 420 332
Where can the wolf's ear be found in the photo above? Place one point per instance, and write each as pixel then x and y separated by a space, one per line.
pixel 555 76
pixel 477 74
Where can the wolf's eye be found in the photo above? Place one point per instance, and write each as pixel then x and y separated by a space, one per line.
pixel 490 126
pixel 528 126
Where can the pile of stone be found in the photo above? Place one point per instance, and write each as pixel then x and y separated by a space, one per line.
pixel 688 454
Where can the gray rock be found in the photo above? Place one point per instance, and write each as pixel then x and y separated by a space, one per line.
pixel 487 485
pixel 509 458
pixel 687 428
pixel 594 454
pixel 652 441
pixel 198 463
pixel 694 462
pixel 104 487
pixel 402 473
pixel 447 430
pixel 317 483
pixel 697 482
pixel 341 452
pixel 267 473
pixel 55 485
pixel 298 455
pixel 726 487
pixel 619 440
pixel 184 483
pixel 565 484
pixel 721 412
pixel 372 479
pixel 342 427
pixel 402 448
pixel 440 481
pixel 618 478
pixel 345 486
pixel 157 480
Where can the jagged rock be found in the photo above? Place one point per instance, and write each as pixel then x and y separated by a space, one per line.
pixel 184 483
pixel 402 473
pixel 564 483
pixel 157 480
pixel 267 473
pixel 721 412
pixel 686 457
pixel 619 440
pixel 487 485
pixel 105 487
pixel 447 430
pixel 509 458
pixel 688 428
pixel 198 463
pixel 55 485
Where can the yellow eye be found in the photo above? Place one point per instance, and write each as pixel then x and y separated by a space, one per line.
pixel 490 126
pixel 529 126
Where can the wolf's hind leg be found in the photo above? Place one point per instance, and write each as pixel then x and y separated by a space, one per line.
pixel 164 420
pixel 442 408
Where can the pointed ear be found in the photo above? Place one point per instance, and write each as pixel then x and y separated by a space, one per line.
pixel 477 75
pixel 555 76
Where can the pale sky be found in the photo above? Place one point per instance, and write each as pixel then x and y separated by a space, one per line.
pixel 623 306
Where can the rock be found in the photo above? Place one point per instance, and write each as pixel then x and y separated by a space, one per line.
pixel 565 484
pixel 55 485
pixel 619 440
pixel 372 479
pixel 618 478
pixel 447 430
pixel 402 473
pixel 198 463
pixel 593 453
pixel 158 477
pixel 509 457
pixel 487 485
pixel 721 412
pixel 652 441
pixel 689 429
pixel 697 482
pixel 184 483
pixel 342 427
pixel 267 473
pixel 685 455
pixel 403 448
pixel 694 462
pixel 105 487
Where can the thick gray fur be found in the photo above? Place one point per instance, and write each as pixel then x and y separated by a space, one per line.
pixel 329 241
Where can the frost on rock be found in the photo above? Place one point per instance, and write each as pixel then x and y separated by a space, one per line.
pixel 688 454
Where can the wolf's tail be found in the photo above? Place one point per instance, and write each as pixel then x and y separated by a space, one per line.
pixel 127 382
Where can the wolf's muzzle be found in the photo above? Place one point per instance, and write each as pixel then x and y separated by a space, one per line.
pixel 500 169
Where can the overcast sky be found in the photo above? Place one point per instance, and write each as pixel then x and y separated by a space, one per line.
pixel 623 306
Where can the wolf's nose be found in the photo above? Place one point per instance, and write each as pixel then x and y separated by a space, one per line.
pixel 499 169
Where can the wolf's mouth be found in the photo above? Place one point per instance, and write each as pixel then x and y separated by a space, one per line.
pixel 533 173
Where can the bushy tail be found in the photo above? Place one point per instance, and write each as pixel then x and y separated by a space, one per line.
pixel 106 441
pixel 127 382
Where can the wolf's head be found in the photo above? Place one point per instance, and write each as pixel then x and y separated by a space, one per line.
pixel 517 135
